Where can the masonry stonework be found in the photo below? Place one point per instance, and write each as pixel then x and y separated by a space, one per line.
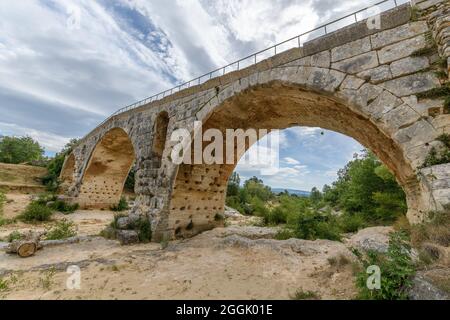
pixel 358 81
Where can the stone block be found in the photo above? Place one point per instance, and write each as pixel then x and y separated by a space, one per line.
pixel 401 49
pixel 400 33
pixel 376 75
pixel 358 63
pixel 408 65
pixel 351 49
pixel 127 236
pixel 412 84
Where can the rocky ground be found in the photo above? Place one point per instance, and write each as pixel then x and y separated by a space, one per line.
pixel 240 261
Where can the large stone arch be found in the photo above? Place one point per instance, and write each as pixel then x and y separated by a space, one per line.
pixel 104 176
pixel 295 96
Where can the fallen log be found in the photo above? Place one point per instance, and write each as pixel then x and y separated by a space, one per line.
pixel 26 246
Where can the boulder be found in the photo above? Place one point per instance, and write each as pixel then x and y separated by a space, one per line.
pixel 424 289
pixel 127 236
pixel 373 238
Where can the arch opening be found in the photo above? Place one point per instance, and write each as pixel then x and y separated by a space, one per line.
pixel 200 190
pixel 107 170
pixel 159 139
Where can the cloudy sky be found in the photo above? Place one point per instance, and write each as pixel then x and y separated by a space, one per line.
pixel 66 65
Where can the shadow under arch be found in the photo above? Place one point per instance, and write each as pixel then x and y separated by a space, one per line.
pixel 199 189
pixel 104 178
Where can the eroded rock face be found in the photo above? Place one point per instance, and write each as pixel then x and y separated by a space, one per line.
pixel 424 289
pixel 357 81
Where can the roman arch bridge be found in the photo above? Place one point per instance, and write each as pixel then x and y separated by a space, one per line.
pixel 383 82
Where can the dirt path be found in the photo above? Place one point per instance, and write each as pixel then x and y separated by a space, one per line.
pixel 219 264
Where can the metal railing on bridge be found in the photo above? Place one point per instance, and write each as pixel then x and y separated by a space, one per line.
pixel 294 42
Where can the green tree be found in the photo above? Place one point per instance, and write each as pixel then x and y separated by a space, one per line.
pixel 20 149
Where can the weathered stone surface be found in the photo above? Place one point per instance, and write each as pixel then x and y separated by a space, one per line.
pixel 127 236
pixel 400 33
pixel 358 63
pixel 383 104
pixel 423 289
pixel 352 82
pixel 377 75
pixel 409 65
pixel 412 84
pixel 321 59
pixel 351 49
pixel 401 49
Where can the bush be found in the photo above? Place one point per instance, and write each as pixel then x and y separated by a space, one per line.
pixel 143 227
pixel 312 225
pixel 62 230
pixel 121 206
pixel 351 222
pixel 36 212
pixel 64 207
pixel 397 270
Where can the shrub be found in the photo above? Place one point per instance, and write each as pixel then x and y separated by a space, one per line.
pixel 15 235
pixel 351 222
pixel 62 230
pixel 144 229
pixel 36 212
pixel 397 270
pixel 3 285
pixel 284 234
pixel 121 206
pixel 64 207
pixel 312 225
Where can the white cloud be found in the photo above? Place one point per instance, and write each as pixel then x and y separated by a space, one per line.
pixel 290 160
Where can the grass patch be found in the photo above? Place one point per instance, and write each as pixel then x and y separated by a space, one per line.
pixel 3 285
pixel 435 230
pixel 300 294
pixel 46 281
pixel 443 91
pixel 62 230
pixel 36 212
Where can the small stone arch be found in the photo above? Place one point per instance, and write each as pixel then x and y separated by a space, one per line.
pixel 159 138
pixel 67 176
pixel 105 174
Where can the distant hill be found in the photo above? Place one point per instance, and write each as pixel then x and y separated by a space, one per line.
pixel 300 193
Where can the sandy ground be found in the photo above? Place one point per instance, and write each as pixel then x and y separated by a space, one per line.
pixel 218 264
pixel 87 222
pixel 236 262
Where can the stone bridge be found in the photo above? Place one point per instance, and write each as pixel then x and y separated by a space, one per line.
pixel 385 87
